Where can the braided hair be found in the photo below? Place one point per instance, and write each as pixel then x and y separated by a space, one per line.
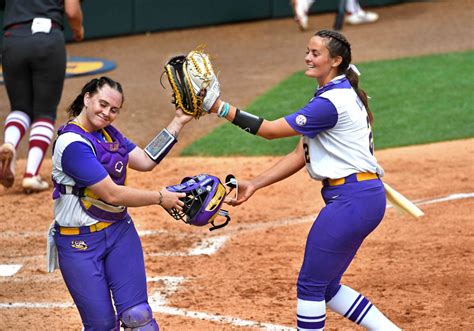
pixel 338 45
pixel 92 88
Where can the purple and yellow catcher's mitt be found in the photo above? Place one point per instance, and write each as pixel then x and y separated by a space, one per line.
pixel 194 83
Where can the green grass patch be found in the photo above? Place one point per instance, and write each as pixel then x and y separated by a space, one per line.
pixel 414 101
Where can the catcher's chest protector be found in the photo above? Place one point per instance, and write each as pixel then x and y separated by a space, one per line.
pixel 113 156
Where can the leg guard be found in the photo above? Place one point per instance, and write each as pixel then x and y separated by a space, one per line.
pixel 139 318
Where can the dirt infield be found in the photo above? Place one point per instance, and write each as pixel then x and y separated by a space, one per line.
pixel 419 272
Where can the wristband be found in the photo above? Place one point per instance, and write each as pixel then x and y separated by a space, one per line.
pixel 160 145
pixel 247 122
pixel 220 108
pixel 225 111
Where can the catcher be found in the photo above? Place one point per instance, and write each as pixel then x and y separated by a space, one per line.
pixel 93 239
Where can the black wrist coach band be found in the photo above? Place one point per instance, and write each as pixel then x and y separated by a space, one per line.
pixel 247 122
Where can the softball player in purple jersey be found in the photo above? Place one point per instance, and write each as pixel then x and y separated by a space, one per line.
pixel 100 254
pixel 337 148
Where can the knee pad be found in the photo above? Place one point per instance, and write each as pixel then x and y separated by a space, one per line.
pixel 139 318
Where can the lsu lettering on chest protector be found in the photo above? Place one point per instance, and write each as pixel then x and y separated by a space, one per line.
pixel 113 155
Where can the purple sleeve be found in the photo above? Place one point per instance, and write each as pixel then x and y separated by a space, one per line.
pixel 128 144
pixel 80 163
pixel 317 116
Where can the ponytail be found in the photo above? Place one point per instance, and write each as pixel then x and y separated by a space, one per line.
pixel 353 78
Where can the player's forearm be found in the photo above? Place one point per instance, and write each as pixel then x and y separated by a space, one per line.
pixel 131 197
pixel 120 195
pixel 74 16
pixel 140 161
pixel 160 145
pixel 253 124
pixel 284 168
pixel 175 126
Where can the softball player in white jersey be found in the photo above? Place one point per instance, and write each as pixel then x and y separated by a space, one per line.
pixel 337 148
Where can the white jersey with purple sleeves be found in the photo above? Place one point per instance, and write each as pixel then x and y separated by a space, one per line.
pixel 75 162
pixel 337 136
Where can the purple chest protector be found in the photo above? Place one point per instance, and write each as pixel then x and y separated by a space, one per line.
pixel 113 155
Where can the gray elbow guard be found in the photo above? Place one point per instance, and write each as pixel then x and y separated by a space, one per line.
pixel 160 145
pixel 247 122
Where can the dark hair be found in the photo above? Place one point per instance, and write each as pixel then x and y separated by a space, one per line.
pixel 92 88
pixel 338 45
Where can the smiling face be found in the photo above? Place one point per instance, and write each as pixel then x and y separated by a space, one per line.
pixel 100 109
pixel 320 64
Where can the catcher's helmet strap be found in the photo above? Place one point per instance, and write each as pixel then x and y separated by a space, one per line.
pixel 223 213
pixel 232 183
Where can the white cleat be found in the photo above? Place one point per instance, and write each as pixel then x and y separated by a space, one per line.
pixel 362 17
pixel 34 184
pixel 7 165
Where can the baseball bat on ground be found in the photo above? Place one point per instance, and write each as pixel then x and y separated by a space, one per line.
pixel 341 10
pixel 402 203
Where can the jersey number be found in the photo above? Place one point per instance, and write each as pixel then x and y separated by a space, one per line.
pixel 306 152
pixel 371 137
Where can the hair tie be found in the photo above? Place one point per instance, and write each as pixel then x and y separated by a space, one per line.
pixel 354 68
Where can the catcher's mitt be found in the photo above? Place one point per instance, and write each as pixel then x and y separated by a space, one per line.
pixel 194 83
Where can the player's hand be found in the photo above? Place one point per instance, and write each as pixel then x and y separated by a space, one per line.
pixel 78 34
pixel 245 190
pixel 215 106
pixel 171 200
pixel 181 117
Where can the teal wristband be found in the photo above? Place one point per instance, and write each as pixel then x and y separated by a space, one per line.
pixel 225 110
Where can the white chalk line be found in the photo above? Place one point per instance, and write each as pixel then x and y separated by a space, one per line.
pixel 211 245
pixel 7 270
pixel 158 303
pixel 220 319
pixel 158 300
pixel 170 283
pixel 454 196
pixel 36 305
pixel 207 246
